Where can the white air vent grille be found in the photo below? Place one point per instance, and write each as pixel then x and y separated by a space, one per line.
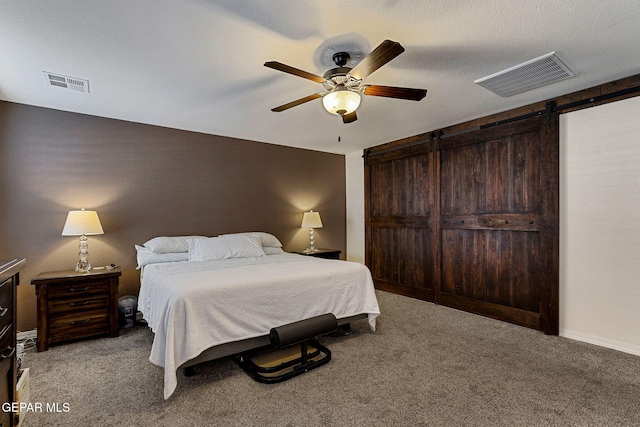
pixel 66 82
pixel 538 72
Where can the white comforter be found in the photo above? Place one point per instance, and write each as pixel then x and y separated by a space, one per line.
pixel 191 306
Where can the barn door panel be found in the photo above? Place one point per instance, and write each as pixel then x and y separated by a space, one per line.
pixel 494 223
pixel 401 250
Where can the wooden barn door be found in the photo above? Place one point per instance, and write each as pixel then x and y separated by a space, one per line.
pixel 401 242
pixel 470 223
pixel 499 223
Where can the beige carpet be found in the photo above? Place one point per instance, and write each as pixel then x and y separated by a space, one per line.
pixel 426 365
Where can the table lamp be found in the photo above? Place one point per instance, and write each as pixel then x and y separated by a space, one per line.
pixel 311 220
pixel 82 223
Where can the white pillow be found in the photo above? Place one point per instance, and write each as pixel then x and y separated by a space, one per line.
pixel 268 240
pixel 224 247
pixel 272 251
pixel 163 245
pixel 145 256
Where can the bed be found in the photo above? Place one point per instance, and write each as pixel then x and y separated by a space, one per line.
pixel 206 298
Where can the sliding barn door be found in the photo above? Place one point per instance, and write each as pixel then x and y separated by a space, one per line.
pixel 470 222
pixel 400 239
pixel 498 219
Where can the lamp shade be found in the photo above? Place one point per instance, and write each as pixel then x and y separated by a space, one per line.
pixel 82 222
pixel 341 102
pixel 311 220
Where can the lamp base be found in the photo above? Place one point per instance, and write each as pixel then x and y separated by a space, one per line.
pixel 83 267
pixel 312 242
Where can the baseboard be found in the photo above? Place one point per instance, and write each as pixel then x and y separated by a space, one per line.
pixel 602 342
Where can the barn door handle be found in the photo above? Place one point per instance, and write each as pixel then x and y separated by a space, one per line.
pixel 3 311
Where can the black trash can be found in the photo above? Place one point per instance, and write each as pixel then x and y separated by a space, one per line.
pixel 127 308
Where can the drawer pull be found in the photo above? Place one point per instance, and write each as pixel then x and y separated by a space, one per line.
pixel 75 304
pixel 7 356
pixel 5 330
pixel 79 289
pixel 3 311
pixel 79 322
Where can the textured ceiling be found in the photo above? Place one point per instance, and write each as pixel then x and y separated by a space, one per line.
pixel 198 64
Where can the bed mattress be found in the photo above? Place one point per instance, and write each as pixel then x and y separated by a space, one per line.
pixel 192 306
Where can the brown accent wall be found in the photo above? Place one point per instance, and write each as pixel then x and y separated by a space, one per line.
pixel 147 181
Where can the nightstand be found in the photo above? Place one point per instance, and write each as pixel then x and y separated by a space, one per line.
pixel 73 305
pixel 322 253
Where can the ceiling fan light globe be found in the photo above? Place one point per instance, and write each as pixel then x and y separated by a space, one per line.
pixel 341 102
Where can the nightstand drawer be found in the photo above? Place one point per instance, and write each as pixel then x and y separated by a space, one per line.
pixel 77 290
pixel 77 305
pixel 79 325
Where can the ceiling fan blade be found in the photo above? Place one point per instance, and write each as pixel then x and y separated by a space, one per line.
pixel 385 52
pixel 395 92
pixel 297 102
pixel 349 118
pixel 291 70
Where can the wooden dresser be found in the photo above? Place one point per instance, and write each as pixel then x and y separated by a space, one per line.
pixel 73 305
pixel 9 280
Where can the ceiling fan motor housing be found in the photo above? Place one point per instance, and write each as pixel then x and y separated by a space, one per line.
pixel 340 79
pixel 337 74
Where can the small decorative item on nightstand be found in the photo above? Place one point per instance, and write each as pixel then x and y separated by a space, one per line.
pixel 73 305
pixel 321 253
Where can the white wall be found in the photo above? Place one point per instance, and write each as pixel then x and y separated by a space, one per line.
pixel 355 206
pixel 600 225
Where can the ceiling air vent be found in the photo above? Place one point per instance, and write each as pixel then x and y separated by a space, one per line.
pixel 66 82
pixel 538 72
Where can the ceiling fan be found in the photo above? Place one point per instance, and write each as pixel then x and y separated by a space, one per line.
pixel 344 86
